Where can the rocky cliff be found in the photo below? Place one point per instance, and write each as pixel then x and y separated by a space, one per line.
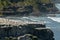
pixel 26 8
pixel 27 32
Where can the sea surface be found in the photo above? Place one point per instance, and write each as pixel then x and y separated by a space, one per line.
pixel 52 23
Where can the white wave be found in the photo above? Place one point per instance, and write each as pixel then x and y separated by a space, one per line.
pixel 55 19
pixel 48 27
pixel 25 17
pixel 29 18
pixel 58 6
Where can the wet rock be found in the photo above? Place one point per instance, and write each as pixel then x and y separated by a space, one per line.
pixel 27 32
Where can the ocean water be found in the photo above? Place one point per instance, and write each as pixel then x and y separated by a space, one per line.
pixel 55 23
pixel 54 26
pixel 51 22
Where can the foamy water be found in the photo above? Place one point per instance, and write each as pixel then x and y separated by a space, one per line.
pixel 58 6
pixel 57 19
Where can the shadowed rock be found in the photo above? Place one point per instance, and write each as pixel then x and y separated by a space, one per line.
pixel 23 31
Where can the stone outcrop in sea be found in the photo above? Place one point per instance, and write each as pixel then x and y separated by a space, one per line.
pixel 26 32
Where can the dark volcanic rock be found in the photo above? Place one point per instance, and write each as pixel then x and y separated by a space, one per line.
pixel 18 10
pixel 16 1
pixel 35 34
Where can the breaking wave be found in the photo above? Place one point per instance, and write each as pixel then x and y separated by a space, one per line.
pixel 57 19
pixel 58 6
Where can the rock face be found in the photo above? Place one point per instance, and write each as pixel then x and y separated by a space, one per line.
pixel 17 10
pixel 27 32
pixel 25 8
pixel 16 1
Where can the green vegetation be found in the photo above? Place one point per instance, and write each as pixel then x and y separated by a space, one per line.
pixel 1 6
pixel 4 3
pixel 31 2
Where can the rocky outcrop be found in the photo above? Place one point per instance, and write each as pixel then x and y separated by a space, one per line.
pixel 27 32
pixel 16 1
pixel 17 10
